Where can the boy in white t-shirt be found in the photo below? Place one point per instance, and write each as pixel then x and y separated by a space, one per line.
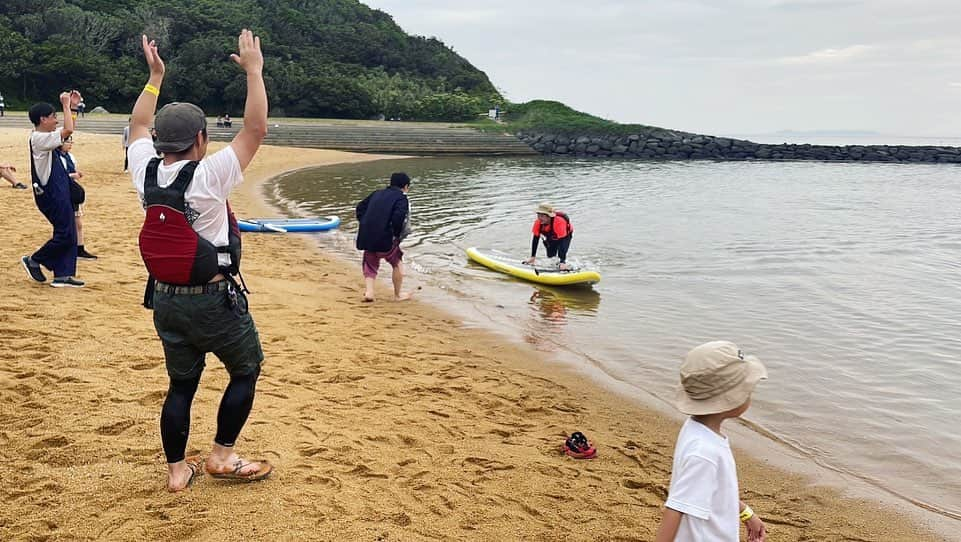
pixel 702 503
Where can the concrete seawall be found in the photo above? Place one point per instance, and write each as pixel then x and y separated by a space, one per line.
pixel 427 139
pixel 670 145
pixel 408 138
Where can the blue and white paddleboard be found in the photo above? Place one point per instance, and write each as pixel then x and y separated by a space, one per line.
pixel 289 225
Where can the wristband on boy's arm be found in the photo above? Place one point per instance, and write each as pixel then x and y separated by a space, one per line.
pixel 747 513
pixel 150 89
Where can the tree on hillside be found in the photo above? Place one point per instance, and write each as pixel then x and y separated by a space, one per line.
pixel 322 57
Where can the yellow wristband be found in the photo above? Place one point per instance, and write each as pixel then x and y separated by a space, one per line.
pixel 150 89
pixel 747 513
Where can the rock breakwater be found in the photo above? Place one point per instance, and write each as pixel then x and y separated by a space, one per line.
pixel 670 145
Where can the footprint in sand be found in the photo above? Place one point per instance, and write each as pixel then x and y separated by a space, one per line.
pixel 52 442
pixel 154 398
pixel 115 428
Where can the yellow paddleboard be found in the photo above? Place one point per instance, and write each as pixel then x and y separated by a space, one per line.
pixel 534 273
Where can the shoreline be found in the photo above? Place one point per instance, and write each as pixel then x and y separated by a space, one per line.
pixel 761 444
pixel 384 420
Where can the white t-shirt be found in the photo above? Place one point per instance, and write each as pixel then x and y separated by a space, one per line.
pixel 206 196
pixel 43 143
pixel 704 486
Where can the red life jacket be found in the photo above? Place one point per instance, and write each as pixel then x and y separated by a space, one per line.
pixel 547 230
pixel 171 249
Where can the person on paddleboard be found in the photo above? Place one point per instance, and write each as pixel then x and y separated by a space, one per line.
pixel 555 228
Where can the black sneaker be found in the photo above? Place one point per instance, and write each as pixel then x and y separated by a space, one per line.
pixel 68 282
pixel 33 269
pixel 20 186
pixel 84 255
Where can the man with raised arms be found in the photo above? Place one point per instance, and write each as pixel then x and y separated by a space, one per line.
pixel 194 319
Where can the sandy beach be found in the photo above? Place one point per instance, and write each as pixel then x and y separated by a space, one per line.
pixel 386 421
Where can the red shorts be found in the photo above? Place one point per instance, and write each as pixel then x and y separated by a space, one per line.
pixel 372 259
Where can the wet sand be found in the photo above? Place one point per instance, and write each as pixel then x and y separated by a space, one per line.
pixel 386 421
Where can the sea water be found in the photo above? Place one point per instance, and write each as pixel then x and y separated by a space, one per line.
pixel 845 279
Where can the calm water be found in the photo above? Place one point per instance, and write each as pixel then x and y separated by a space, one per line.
pixel 845 279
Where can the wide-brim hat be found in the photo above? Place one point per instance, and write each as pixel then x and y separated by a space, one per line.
pixel 545 209
pixel 177 125
pixel 717 377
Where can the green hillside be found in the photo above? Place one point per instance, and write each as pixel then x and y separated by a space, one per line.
pixel 323 58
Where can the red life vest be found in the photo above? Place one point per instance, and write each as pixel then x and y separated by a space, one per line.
pixel 171 249
pixel 549 232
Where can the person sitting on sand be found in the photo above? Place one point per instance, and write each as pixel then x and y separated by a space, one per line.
pixel 384 218
pixel 195 319
pixel 555 227
pixel 7 173
pixel 717 380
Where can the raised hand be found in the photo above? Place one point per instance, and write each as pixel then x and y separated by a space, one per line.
pixel 248 56
pixel 152 56
pixel 65 99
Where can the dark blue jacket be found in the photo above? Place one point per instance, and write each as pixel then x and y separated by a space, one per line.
pixel 381 216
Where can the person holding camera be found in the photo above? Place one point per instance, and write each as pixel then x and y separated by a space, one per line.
pixel 51 188
pixel 78 196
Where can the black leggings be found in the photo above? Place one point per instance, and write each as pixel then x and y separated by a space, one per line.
pixel 558 248
pixel 234 409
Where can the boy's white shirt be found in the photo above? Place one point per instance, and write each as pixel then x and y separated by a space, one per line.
pixel 43 143
pixel 704 486
pixel 214 178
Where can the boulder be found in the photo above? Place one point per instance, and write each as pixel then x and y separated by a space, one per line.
pixel 99 111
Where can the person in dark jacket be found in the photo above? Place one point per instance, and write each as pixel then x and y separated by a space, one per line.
pixel 384 218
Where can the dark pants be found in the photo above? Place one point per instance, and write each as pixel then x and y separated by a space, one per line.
pixel 59 254
pixel 558 248
pixel 190 326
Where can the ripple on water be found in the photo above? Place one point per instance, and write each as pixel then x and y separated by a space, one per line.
pixel 843 278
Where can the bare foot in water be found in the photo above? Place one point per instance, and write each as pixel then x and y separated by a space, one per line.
pixel 403 296
pixel 368 297
pixel 182 474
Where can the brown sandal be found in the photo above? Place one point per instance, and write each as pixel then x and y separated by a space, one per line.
pixel 193 463
pixel 239 465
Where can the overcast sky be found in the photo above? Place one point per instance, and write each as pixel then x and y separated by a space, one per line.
pixel 716 66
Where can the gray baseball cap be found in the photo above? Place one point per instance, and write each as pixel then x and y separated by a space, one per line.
pixel 177 126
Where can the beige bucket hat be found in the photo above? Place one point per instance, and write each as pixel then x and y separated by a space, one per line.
pixel 545 209
pixel 717 377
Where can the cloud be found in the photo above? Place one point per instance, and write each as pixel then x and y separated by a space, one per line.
pixel 814 4
pixel 461 16
pixel 955 85
pixel 830 55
